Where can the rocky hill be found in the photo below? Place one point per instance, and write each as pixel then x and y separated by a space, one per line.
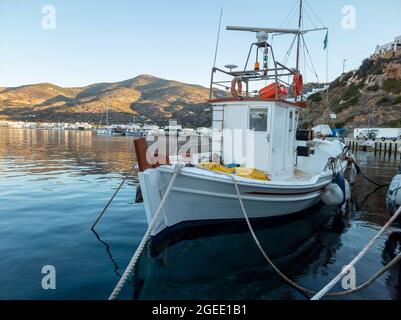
pixel 371 94
pixel 145 97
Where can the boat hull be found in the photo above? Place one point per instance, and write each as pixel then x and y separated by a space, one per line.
pixel 196 197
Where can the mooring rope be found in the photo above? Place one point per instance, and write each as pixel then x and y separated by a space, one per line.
pixel 344 156
pixel 361 254
pixel 112 198
pixel 345 271
pixel 359 171
pixel 135 258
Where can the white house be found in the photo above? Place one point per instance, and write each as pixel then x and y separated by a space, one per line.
pixel 392 46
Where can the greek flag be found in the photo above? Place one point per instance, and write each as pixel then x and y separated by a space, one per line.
pixel 326 40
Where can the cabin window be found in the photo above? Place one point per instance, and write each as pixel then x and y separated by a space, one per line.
pixel 258 120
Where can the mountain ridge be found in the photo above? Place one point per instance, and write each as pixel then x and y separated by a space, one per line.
pixel 146 97
pixel 370 95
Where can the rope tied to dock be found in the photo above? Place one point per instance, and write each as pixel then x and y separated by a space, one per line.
pixel 148 234
pixel 111 199
pixel 360 172
pixel 324 291
pixel 361 254
pixel 346 156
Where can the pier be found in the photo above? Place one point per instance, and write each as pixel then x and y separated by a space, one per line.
pixel 386 148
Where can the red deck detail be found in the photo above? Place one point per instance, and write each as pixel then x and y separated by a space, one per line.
pixel 141 148
pixel 301 104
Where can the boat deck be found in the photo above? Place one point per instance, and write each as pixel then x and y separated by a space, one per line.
pixel 298 178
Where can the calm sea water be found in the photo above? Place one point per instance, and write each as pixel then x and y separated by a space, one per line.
pixel 53 184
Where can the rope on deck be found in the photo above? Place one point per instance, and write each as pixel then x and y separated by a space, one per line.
pixel 131 266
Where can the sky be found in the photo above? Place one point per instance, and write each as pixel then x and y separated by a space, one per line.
pixel 106 41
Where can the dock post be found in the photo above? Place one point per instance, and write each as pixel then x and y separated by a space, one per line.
pixel 375 148
pixel 199 146
pixel 390 148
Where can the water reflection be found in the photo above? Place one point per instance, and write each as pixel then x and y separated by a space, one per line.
pixel 217 266
pixel 228 266
pixel 391 249
pixel 367 197
pixel 50 152
pixel 380 168
pixel 116 268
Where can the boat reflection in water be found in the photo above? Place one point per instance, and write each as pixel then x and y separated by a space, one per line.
pixel 223 262
pixel 391 249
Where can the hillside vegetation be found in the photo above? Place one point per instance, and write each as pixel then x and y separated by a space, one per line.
pixel 370 94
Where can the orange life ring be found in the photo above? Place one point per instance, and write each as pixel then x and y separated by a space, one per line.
pixel 298 84
pixel 236 87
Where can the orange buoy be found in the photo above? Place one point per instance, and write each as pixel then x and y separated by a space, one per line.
pixel 298 84
pixel 236 87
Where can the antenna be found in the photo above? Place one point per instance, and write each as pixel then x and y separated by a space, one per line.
pixel 266 30
pixel 218 38
pixel 299 33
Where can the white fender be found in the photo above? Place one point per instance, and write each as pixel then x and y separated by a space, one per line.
pixel 332 195
pixel 394 194
pixel 348 192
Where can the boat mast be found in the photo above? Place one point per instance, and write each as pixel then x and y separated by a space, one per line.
pixel 107 116
pixel 299 33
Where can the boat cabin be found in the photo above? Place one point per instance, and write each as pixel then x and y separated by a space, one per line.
pixel 254 126
pixel 258 134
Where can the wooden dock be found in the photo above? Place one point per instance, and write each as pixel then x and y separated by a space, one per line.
pixel 378 147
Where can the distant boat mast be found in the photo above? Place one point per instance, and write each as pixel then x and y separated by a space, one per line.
pixel 107 116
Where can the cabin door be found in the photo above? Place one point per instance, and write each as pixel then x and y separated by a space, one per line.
pixel 259 138
pixel 291 128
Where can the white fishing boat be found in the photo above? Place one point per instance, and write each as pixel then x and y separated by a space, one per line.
pixel 173 130
pixel 109 131
pixel 134 130
pixel 279 169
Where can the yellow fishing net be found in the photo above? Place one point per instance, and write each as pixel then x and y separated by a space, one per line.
pixel 240 172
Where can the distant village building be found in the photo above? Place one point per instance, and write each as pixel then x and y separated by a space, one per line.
pixel 389 50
